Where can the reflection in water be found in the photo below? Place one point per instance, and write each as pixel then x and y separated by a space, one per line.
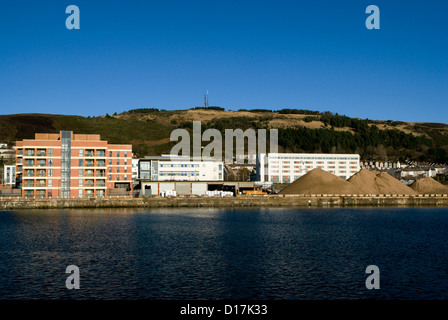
pixel 192 253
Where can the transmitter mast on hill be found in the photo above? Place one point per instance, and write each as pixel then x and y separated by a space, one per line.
pixel 206 100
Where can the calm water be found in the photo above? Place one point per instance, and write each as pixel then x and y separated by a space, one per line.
pixel 224 254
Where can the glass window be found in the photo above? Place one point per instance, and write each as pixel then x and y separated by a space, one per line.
pixel 80 193
pixel 110 177
pixel 50 152
pixel 50 183
pixel 144 165
pixel 80 162
pixel 80 173
pixel 118 153
pixel 81 152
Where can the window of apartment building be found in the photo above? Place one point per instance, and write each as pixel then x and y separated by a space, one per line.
pixel 80 163
pixel 125 177
pixel 118 153
pixel 50 152
pixel 118 177
pixel 50 183
pixel 118 162
pixel 125 161
pixel 80 193
pixel 118 169
pixel 110 162
pixel 81 152
pixel 125 169
pixel 110 169
pixel 50 162
pixel 80 173
pixel 50 172
pixel 125 154
pixel 110 177
pixel 80 183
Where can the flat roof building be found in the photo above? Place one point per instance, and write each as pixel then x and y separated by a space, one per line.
pixel 178 168
pixel 68 165
pixel 288 167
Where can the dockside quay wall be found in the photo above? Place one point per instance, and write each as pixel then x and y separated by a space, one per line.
pixel 320 201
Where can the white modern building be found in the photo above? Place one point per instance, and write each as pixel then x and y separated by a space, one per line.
pixel 178 168
pixel 287 167
pixel 134 169
pixel 9 175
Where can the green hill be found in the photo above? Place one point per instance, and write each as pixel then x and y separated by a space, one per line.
pixel 148 130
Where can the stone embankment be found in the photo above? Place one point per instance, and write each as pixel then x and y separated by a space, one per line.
pixel 434 200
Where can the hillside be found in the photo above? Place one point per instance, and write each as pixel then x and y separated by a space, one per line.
pixel 299 131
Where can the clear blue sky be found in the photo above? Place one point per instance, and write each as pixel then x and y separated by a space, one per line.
pixel 309 54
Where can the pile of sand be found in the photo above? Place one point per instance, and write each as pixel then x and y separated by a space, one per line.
pixel 318 181
pixel 428 185
pixel 374 182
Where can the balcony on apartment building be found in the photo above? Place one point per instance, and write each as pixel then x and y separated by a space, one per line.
pixel 101 153
pixel 29 163
pixel 41 183
pixel 101 163
pixel 41 153
pixel 89 173
pixel 89 163
pixel 101 173
pixel 89 153
pixel 89 183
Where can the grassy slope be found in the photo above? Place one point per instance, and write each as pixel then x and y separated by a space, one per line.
pixel 149 132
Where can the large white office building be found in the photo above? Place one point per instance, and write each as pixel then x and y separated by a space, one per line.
pixel 287 167
pixel 166 168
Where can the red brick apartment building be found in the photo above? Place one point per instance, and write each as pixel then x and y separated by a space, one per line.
pixel 67 165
